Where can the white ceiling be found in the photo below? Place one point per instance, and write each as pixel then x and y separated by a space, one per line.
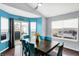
pixel 16 11
pixel 54 9
pixel 49 9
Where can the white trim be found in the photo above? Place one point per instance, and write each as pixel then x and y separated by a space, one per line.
pixel 65 39
pixel 4 50
pixel 2 41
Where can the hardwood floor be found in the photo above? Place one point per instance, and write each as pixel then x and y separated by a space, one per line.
pixel 17 51
pixel 17 42
pixel 68 52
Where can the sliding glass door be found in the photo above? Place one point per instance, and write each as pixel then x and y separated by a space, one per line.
pixel 24 28
pixel 4 29
pixel 17 30
pixel 32 30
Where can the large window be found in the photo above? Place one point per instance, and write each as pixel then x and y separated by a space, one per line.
pixel 65 29
pixel 4 28
pixel 25 28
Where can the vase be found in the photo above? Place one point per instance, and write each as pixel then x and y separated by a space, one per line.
pixel 37 41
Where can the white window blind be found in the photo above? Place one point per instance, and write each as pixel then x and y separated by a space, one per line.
pixel 69 23
pixel 4 24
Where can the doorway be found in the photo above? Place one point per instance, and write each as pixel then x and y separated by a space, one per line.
pixel 20 28
pixel 17 32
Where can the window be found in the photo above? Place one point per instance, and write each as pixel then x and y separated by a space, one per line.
pixel 4 28
pixel 25 27
pixel 67 29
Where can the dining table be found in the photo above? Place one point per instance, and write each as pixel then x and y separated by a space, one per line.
pixel 45 46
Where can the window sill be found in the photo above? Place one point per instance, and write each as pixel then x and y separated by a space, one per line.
pixel 66 39
pixel 4 41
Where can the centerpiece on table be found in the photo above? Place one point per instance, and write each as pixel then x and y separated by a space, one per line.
pixel 37 38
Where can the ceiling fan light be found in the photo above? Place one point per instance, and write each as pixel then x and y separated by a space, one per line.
pixel 39 4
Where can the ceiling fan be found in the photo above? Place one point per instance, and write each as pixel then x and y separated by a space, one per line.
pixel 38 5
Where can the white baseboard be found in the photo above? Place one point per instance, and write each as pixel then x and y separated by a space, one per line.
pixel 4 50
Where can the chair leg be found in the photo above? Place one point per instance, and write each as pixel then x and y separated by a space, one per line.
pixel 22 52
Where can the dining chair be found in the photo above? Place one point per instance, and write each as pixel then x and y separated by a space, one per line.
pixel 26 36
pixel 23 43
pixel 32 51
pixel 42 37
pixel 28 49
pixel 59 50
pixel 48 38
pixel 24 47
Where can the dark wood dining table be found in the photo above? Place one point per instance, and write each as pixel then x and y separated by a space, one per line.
pixel 45 45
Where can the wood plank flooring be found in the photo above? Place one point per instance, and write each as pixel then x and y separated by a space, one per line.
pixel 17 51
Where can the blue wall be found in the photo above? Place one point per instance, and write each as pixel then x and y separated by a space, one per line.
pixel 5 14
pixel 39 26
pixel 4 45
